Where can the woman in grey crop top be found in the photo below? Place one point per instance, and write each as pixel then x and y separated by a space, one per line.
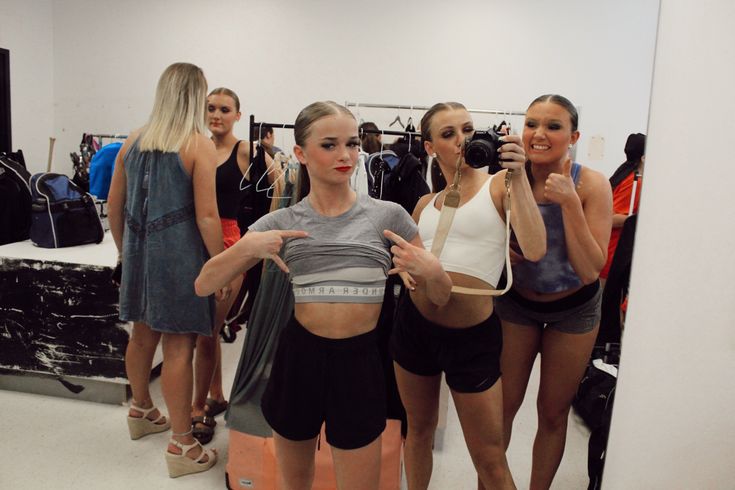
pixel 463 338
pixel 554 306
pixel 336 246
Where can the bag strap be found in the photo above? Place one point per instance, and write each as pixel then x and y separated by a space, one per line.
pixel 446 216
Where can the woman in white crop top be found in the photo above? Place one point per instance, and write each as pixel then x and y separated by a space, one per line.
pixel 462 338
pixel 336 245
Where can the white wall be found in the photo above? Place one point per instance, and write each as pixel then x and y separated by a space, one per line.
pixel 281 55
pixel 26 29
pixel 673 424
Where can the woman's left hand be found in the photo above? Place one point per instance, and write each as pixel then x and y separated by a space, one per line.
pixel 416 261
pixel 511 154
pixel 559 188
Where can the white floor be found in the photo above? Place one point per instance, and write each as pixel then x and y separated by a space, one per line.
pixel 63 444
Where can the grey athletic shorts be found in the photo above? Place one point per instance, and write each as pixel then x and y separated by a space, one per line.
pixel 578 313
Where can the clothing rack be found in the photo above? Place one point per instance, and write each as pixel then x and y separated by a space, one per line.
pixel 256 124
pixel 357 105
pixel 109 136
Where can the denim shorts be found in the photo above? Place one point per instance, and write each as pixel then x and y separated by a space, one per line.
pixel 576 314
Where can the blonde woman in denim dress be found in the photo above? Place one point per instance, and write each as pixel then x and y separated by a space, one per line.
pixel 163 217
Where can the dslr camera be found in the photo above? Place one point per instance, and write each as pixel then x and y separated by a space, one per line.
pixel 481 150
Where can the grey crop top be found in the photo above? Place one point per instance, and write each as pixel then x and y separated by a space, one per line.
pixel 553 273
pixel 345 258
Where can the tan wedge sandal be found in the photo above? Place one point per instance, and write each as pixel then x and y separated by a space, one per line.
pixel 142 426
pixel 180 464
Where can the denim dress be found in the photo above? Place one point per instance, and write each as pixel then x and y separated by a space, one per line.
pixel 163 250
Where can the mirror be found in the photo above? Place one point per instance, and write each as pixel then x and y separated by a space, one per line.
pixel 98 71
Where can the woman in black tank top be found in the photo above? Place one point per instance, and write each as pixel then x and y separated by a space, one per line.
pixel 223 111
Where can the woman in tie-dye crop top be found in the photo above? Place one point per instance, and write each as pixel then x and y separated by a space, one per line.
pixel 554 306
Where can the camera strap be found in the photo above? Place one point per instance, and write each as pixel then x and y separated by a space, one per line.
pixel 446 216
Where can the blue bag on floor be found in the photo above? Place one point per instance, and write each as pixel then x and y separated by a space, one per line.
pixel 62 215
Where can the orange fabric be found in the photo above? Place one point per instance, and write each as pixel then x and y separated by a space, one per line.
pixel 251 461
pixel 621 205
pixel 230 231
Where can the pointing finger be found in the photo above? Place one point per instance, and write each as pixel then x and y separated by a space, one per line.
pixel 293 233
pixel 275 258
pixel 397 239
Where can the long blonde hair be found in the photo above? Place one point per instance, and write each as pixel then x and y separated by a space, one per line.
pixel 178 111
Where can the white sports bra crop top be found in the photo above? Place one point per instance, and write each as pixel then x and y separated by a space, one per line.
pixel 475 245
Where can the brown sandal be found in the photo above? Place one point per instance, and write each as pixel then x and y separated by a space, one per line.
pixel 214 407
pixel 204 432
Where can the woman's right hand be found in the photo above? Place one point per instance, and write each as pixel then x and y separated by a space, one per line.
pixel 267 244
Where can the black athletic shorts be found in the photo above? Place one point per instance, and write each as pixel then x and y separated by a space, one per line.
pixel 469 357
pixel 317 380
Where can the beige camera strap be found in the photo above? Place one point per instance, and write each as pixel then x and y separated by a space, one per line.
pixel 446 216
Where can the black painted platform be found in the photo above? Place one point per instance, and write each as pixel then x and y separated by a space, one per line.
pixel 59 325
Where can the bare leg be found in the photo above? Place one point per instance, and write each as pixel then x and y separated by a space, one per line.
pixel 420 397
pixel 481 418
pixel 176 381
pixel 358 469
pixel 521 344
pixel 208 355
pixel 295 460
pixel 564 358
pixel 216 392
pixel 138 363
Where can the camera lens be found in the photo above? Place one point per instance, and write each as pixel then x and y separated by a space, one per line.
pixel 479 153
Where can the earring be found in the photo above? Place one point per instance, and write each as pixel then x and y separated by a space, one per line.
pixel 433 155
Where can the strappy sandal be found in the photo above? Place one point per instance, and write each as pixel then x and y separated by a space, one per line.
pixel 142 426
pixel 214 407
pixel 204 432
pixel 180 464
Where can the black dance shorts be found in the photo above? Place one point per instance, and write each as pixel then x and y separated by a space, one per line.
pixel 317 380
pixel 469 357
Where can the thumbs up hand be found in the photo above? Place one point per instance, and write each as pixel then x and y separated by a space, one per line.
pixel 559 188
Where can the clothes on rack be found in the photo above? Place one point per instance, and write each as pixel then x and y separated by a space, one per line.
pixel 100 170
pixel 395 179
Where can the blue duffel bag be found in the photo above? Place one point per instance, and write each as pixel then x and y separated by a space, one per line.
pixel 62 215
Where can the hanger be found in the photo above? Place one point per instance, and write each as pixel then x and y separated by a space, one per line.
pixel 277 163
pixel 410 128
pixel 280 160
pixel 397 120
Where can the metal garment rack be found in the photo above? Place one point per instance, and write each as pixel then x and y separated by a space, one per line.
pixel 259 124
pixel 110 136
pixel 358 105
pixel 101 137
